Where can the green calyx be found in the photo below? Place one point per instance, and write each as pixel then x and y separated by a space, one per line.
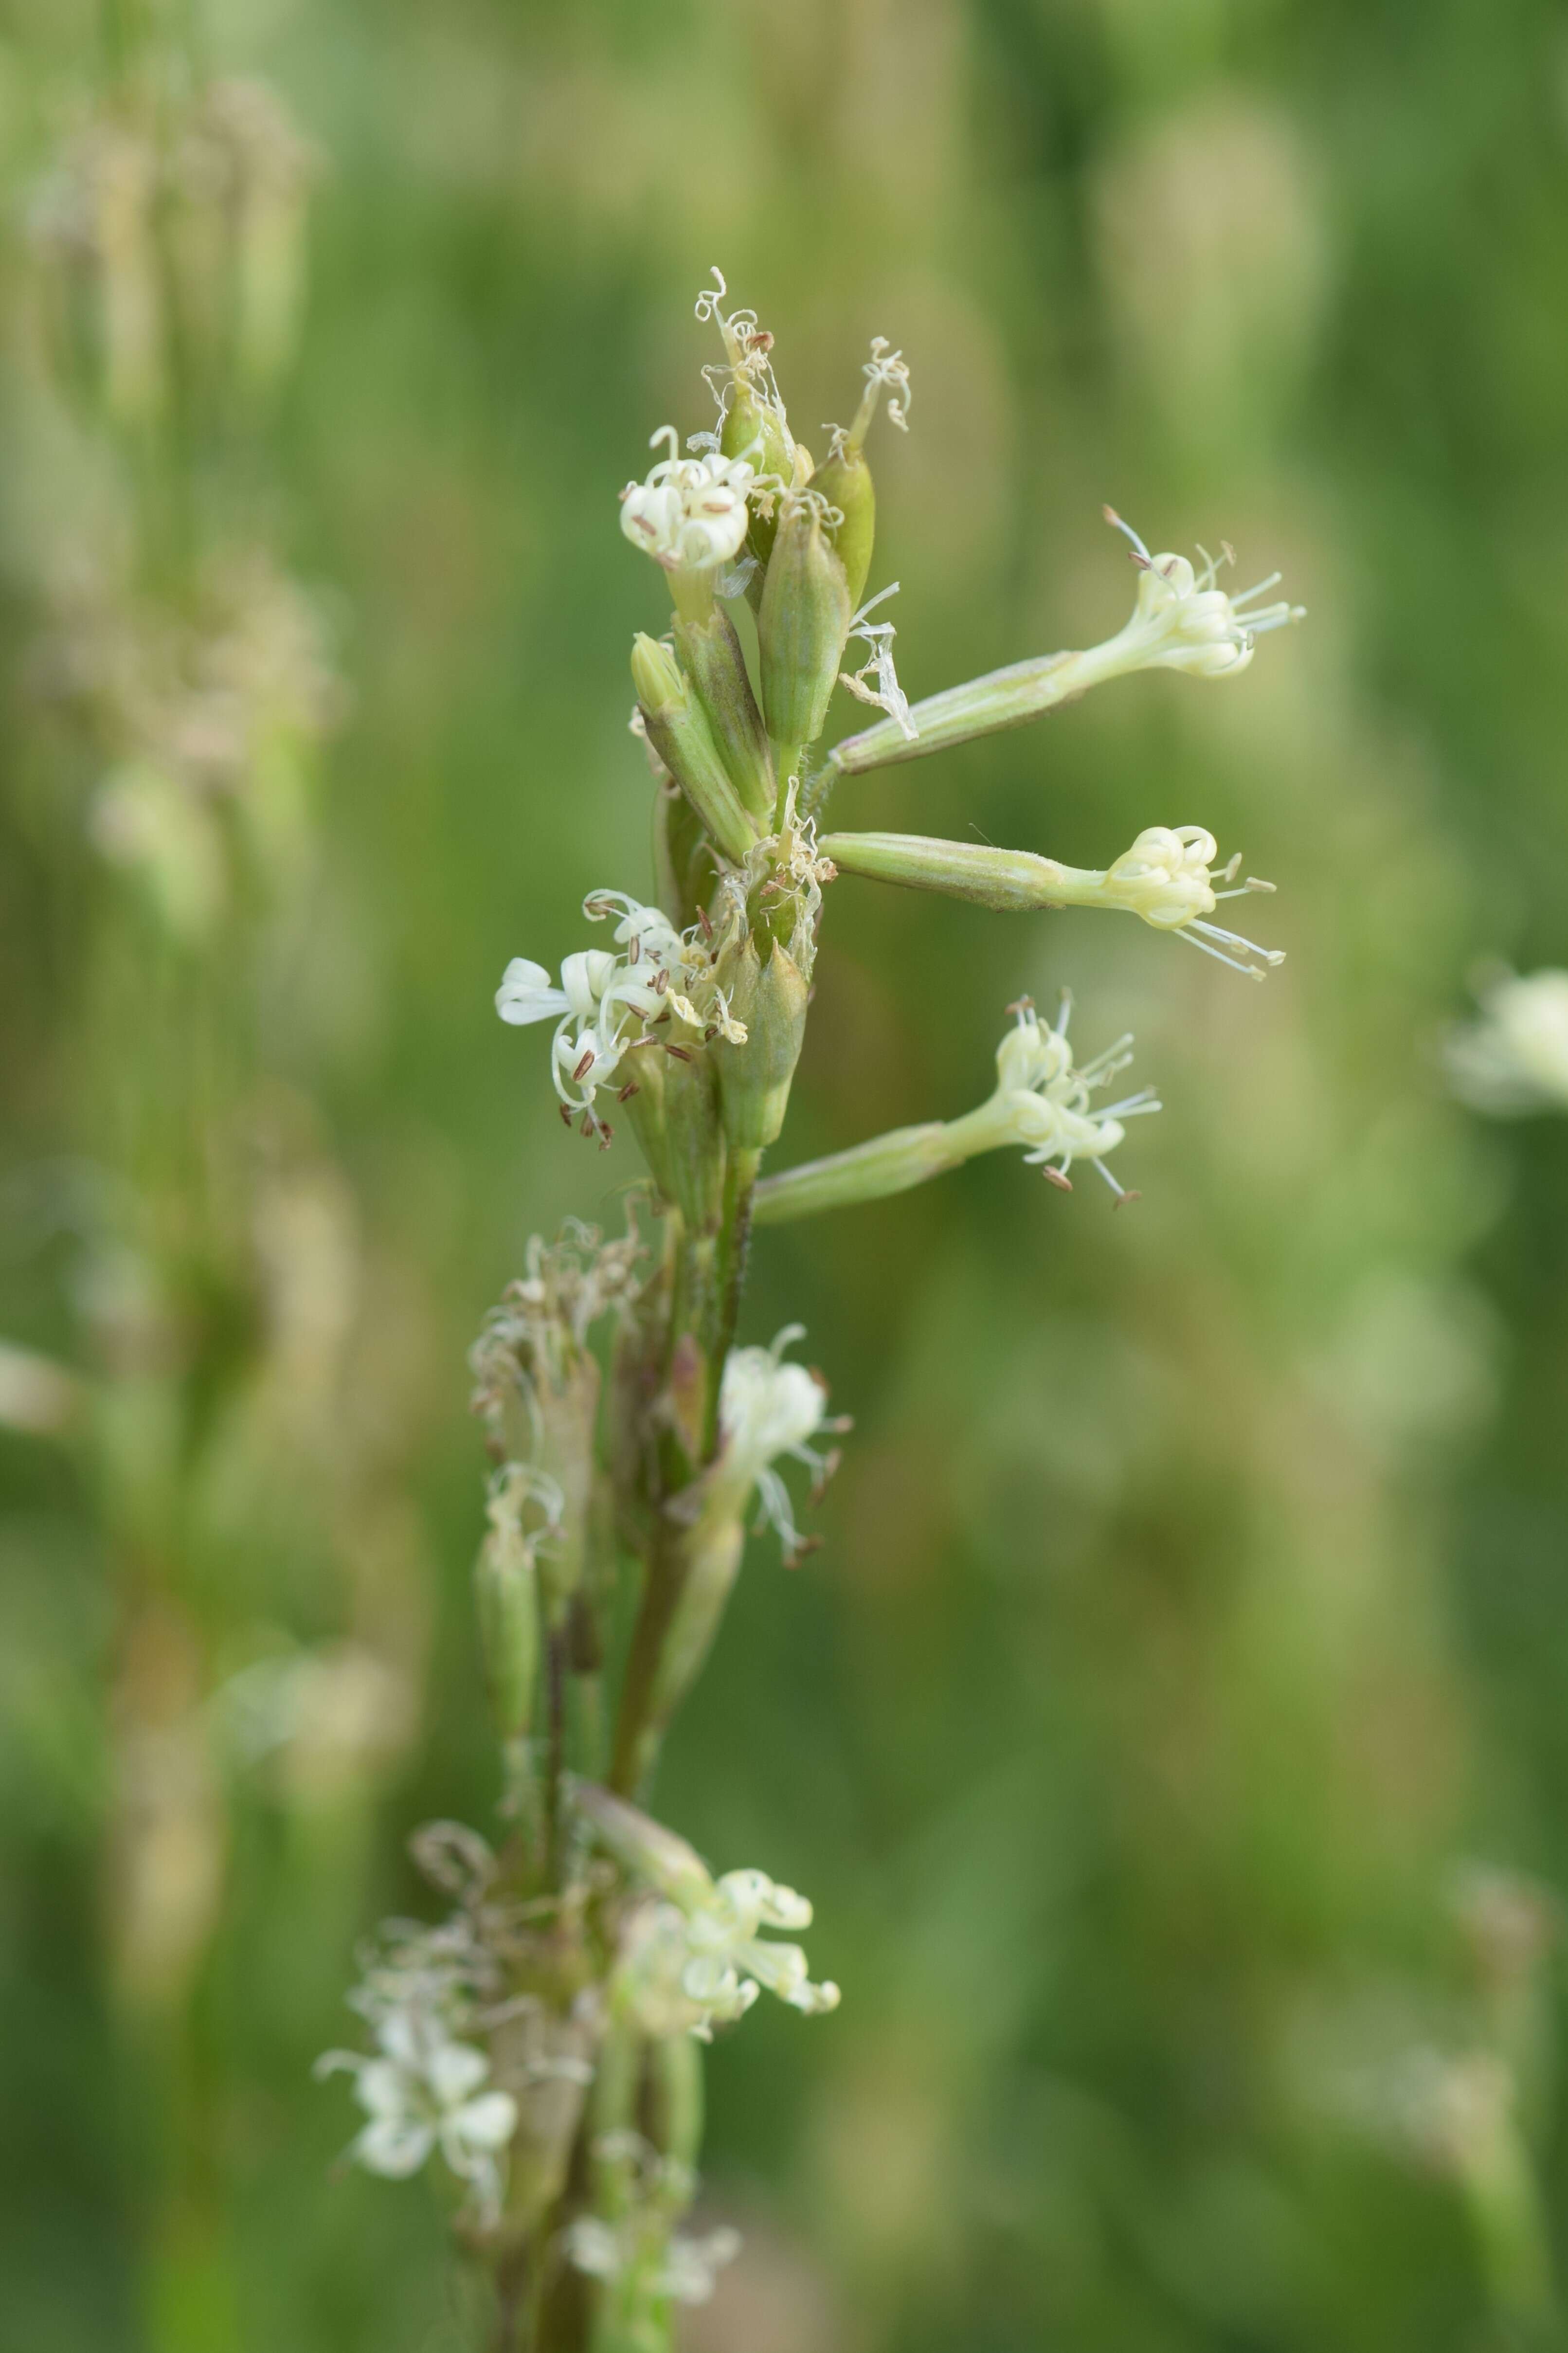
pixel 680 730
pixel 711 651
pixel 770 997
pixel 801 628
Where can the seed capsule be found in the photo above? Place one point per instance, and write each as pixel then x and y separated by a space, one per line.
pixel 679 733
pixel 754 1079
pixel 801 629
pixel 717 668
pixel 846 483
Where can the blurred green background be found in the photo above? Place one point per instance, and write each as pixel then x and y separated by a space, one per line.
pixel 1172 1732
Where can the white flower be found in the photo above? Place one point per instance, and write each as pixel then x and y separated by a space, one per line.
pixel 1183 620
pixel 423 2092
pixel 1042 1099
pixel 683 2268
pixel 696 1960
pixel 1515 1058
pixel 691 514
pixel 768 1408
pixel 1168 878
pixel 600 997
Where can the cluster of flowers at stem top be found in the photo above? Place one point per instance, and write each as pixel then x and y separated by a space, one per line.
pixel 541 2042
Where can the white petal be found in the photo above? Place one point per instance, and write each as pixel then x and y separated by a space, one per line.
pixel 488 2122
pixel 526 994
pixel 382 2088
pixel 456 2069
pixel 394 2148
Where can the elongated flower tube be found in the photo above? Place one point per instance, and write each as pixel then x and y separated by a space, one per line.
pixel 1042 1101
pixel 1167 878
pixel 1182 619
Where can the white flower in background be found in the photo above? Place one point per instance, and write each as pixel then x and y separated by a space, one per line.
pixel 1042 1099
pixel 768 1408
pixel 683 2268
pixel 690 513
pixel 1185 621
pixel 423 2092
pixel 1515 1057
pixel 1168 879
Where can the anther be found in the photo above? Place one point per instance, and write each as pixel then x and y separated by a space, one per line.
pixel 625 1094
pixel 1056 1177
pixel 584 1066
pixel 679 1053
pixel 566 1110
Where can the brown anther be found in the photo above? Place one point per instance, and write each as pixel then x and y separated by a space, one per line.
pixel 661 982
pixel 634 953
pixel 679 1053
pixel 805 1545
pixel 1020 1004
pixel 710 1033
pixel 589 1123
pixel 605 1133
pixel 760 340
pixel 566 1114
pixel 625 1094
pixel 1056 1177
pixel 1123 1199
pixel 584 1066
pixel 660 1019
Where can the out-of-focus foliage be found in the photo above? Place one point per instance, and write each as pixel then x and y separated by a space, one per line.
pixel 1193 1619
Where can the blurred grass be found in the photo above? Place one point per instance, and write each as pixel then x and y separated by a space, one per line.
pixel 1192 1593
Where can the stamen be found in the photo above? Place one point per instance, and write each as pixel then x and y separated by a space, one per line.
pixel 1057 1176
pixel 1140 552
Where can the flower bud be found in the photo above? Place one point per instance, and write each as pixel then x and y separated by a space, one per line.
pixel 802 627
pixel 755 429
pixel 845 482
pixel 754 1079
pixel 717 668
pixel 678 730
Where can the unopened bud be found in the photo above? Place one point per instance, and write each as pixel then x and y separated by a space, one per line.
pixel 755 429
pixel 678 730
pixel 754 1079
pixel 712 653
pixel 802 626
pixel 844 481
